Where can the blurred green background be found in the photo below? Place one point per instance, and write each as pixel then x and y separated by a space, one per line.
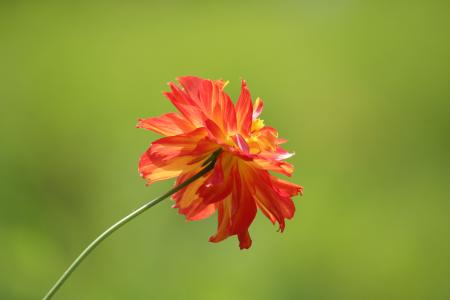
pixel 360 88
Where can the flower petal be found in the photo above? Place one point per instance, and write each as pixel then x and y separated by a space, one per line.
pixel 225 113
pixel 244 111
pixel 273 197
pixel 257 108
pixel 168 124
pixel 170 156
pixel 191 85
pixel 187 200
pixel 237 211
pixel 281 167
pixel 185 105
pixel 219 185
pixel 203 214
pixel 278 154
pixel 223 221
pixel 215 133
pixel 245 242
pixel 286 188
pixel 200 92
pixel 241 143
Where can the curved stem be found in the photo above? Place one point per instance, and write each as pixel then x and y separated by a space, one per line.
pixel 125 220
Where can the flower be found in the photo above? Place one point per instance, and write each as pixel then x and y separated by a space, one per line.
pixel 240 181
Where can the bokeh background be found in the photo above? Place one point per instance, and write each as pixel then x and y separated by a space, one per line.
pixel 360 88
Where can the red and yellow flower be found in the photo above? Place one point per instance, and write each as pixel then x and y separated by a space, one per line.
pixel 240 182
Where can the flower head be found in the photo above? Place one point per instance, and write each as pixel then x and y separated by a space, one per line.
pixel 240 182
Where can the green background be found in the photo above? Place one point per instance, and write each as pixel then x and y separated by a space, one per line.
pixel 360 88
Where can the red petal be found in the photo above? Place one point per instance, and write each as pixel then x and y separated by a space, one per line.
pixel 185 105
pixel 223 221
pixel 168 124
pixel 226 112
pixel 215 132
pixel 237 211
pixel 274 165
pixel 278 154
pixel 245 242
pixel 244 111
pixel 200 93
pixel 203 99
pixel 219 185
pixel 188 202
pixel 286 188
pixel 203 214
pixel 170 156
pixel 191 85
pixel 273 197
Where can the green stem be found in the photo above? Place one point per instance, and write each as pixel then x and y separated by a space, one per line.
pixel 125 220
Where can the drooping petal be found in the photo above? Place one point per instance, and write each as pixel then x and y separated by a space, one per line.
pixel 244 111
pixel 286 188
pixel 204 213
pixel 223 220
pixel 237 211
pixel 273 197
pixel 246 209
pixel 168 124
pixel 245 242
